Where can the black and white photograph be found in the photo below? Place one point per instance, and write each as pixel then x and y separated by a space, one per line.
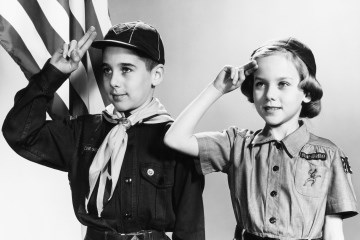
pixel 180 120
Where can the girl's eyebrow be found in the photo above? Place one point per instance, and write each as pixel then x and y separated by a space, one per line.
pixel 278 79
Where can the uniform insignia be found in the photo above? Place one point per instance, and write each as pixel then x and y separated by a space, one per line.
pixel 312 179
pixel 346 165
pixel 313 156
pixel 90 149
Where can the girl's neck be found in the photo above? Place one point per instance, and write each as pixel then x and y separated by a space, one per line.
pixel 281 131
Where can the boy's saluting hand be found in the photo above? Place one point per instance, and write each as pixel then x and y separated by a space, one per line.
pixel 67 58
pixel 231 77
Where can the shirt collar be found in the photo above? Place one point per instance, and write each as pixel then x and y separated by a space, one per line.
pixel 293 143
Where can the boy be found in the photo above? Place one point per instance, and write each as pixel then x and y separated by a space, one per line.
pixel 125 183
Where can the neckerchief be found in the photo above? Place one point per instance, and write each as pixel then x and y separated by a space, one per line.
pixel 114 146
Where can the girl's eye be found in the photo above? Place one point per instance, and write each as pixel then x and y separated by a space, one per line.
pixel 258 84
pixel 107 71
pixel 283 84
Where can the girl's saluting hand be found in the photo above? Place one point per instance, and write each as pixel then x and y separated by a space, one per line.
pixel 231 77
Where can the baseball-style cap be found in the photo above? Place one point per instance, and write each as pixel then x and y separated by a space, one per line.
pixel 295 46
pixel 135 35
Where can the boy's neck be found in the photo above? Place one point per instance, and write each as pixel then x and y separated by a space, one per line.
pixel 281 131
pixel 131 112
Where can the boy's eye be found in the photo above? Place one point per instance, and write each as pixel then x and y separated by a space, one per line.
pixel 107 71
pixel 126 69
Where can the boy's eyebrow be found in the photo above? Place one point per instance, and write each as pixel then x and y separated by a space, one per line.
pixel 119 64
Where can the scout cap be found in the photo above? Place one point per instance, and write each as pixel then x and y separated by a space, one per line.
pixel 296 47
pixel 135 35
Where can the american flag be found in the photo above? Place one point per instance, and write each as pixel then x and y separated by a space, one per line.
pixel 31 31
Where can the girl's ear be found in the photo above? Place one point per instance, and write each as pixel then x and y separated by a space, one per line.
pixel 157 74
pixel 307 98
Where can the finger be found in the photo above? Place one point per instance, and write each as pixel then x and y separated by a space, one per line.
pixel 236 76
pixel 65 50
pixel 249 65
pixel 86 41
pixel 241 75
pixel 73 46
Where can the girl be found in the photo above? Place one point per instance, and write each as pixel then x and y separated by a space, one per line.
pixel 285 182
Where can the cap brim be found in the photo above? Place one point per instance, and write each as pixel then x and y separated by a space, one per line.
pixel 101 44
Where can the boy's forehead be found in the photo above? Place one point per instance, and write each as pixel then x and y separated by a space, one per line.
pixel 119 54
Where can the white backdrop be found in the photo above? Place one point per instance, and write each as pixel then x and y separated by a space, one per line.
pixel 200 36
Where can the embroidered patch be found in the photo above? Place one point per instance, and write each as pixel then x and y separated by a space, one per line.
pixel 312 173
pixel 91 149
pixel 313 156
pixel 346 165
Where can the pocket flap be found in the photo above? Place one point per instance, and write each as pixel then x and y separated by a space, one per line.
pixel 157 175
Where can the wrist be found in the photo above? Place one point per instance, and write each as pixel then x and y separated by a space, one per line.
pixel 219 89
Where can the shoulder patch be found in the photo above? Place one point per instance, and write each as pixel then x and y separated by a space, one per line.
pixel 346 165
pixel 313 156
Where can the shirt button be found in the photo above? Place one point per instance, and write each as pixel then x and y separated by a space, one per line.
pixel 273 193
pixel 128 180
pixel 150 172
pixel 127 216
pixel 276 168
pixel 272 220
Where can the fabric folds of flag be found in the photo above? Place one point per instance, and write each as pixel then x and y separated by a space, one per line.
pixel 31 31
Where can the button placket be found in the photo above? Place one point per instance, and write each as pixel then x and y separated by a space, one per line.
pixel 272 207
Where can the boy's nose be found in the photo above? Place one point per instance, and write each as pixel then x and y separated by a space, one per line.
pixel 116 81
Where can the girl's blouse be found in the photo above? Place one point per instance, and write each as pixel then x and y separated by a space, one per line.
pixel 280 189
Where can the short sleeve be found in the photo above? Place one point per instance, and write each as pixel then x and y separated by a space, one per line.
pixel 341 195
pixel 215 150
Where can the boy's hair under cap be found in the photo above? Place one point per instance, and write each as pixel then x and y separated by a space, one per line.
pixel 296 47
pixel 135 35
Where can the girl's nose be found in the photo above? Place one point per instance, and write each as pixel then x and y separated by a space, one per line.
pixel 271 92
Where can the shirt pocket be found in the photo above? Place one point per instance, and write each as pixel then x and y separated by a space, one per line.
pixel 156 183
pixel 311 178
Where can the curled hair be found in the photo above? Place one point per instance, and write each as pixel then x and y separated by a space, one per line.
pixel 308 83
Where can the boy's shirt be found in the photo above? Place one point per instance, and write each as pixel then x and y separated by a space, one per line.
pixel 280 188
pixel 155 186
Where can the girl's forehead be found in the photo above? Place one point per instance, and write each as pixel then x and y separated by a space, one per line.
pixel 275 65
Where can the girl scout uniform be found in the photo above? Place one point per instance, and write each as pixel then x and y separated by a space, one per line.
pixel 280 189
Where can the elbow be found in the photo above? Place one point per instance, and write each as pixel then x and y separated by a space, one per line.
pixel 170 140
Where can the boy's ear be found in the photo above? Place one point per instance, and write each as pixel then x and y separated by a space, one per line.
pixel 157 74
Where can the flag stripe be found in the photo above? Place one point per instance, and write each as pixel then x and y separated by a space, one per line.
pixel 102 12
pixel 31 29
pixel 65 4
pixel 49 37
pixel 26 30
pixel 14 44
pixel 53 12
pixel 96 54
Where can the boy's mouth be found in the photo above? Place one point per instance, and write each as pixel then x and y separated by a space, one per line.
pixel 118 97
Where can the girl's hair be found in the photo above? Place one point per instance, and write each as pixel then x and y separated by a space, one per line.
pixel 308 83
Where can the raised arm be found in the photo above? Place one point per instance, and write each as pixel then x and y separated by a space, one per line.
pixel 180 135
pixel 50 143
